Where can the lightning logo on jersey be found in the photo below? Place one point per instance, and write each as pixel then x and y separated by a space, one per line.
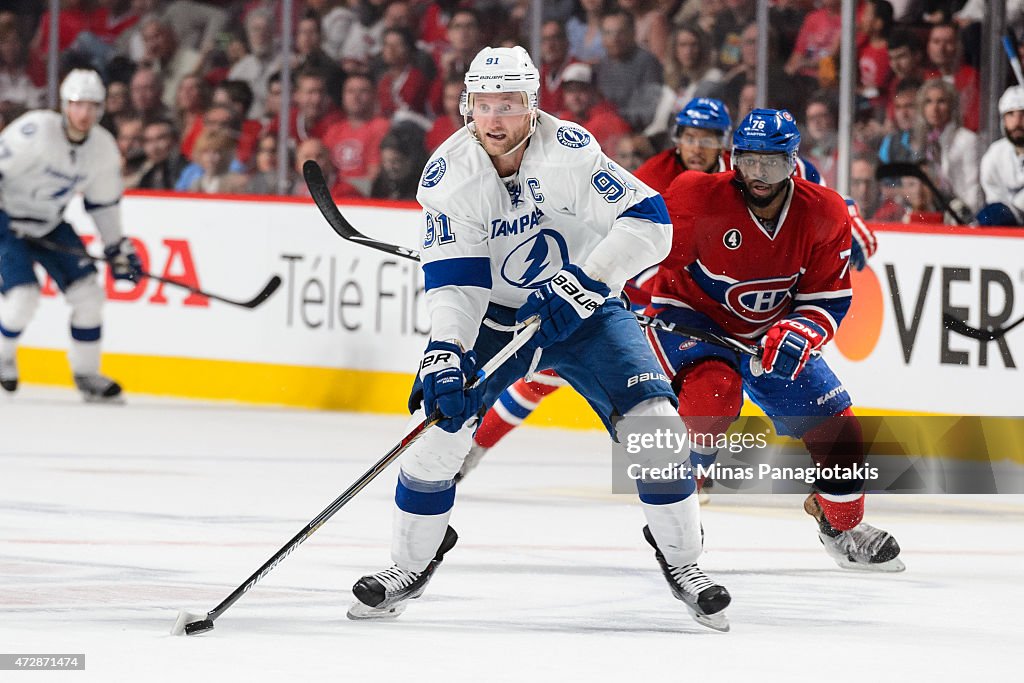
pixel 535 262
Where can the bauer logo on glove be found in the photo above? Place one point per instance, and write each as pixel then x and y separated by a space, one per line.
pixel 569 298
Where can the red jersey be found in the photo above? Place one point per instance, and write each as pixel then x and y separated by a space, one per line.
pixel 355 150
pixel 300 130
pixel 728 266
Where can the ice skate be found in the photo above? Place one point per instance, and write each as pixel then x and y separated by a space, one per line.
pixel 863 547
pixel 705 599
pixel 99 389
pixel 385 595
pixel 476 454
pixel 8 374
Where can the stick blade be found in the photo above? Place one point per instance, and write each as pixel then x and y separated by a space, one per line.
pixel 268 289
pixel 186 621
pixel 954 324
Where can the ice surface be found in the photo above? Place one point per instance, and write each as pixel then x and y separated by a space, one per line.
pixel 112 518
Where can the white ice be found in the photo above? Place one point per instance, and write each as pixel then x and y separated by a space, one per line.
pixel 113 518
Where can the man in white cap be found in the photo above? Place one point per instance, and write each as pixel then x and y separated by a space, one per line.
pixel 525 217
pixel 46 158
pixel 1002 166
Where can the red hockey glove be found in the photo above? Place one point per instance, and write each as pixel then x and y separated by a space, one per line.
pixel 787 346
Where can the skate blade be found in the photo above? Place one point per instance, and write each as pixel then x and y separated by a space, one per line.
pixel 893 566
pixel 113 400
pixel 717 622
pixel 358 611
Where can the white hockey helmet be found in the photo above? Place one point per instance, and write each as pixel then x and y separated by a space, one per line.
pixel 1012 100
pixel 501 69
pixel 83 85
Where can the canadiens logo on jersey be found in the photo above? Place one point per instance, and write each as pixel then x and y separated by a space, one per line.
pixel 755 301
pixel 536 260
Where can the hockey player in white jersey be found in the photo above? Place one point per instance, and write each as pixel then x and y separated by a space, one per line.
pixel 525 216
pixel 1002 170
pixel 45 159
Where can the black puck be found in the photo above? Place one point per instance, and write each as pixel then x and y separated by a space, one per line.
pixel 197 627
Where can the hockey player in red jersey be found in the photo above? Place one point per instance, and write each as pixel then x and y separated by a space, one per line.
pixel 764 257
pixel 701 133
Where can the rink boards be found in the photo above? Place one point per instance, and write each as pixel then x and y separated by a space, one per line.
pixel 348 323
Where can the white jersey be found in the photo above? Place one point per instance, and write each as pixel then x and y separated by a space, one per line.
pixel 488 239
pixel 41 170
pixel 1002 176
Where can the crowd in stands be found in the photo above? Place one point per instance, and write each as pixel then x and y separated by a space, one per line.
pixel 195 87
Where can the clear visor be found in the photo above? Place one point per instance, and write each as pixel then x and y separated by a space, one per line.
pixel 767 168
pixel 483 105
pixel 686 136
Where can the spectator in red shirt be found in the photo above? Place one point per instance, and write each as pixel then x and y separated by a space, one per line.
pixel 554 58
pixel 584 105
pixel 190 103
pixel 818 39
pixel 873 51
pixel 434 24
pixel 451 120
pixel 947 59
pixel 312 112
pixel 402 86
pixel 314 149
pixel 354 143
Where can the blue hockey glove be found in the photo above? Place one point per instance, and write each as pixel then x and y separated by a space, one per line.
pixel 444 371
pixel 787 347
pixel 569 298
pixel 124 262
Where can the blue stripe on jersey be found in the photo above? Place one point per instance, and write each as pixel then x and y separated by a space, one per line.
pixel 809 172
pixel 10 334
pixel 836 308
pixel 468 271
pixel 513 406
pixel 90 206
pixel 651 209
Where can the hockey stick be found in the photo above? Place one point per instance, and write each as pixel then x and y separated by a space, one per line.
pixel 1010 47
pixel 190 623
pixel 318 189
pixel 272 284
pixel 954 206
pixel 322 198
pixel 958 326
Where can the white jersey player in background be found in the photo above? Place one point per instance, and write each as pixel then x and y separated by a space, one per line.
pixel 525 216
pixel 45 159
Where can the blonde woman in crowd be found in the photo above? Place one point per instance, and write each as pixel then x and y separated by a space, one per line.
pixel 213 152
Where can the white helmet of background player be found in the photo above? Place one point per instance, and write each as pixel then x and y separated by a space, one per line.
pixel 82 85
pixel 500 70
pixel 1012 100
